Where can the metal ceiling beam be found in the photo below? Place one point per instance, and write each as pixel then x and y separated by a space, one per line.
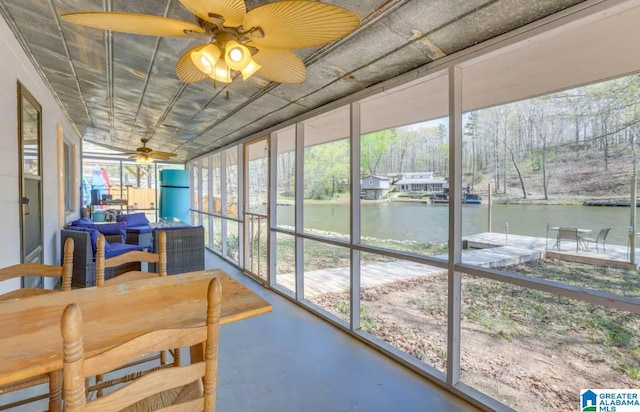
pixel 169 107
pixel 379 13
pixel 108 57
pixel 56 18
pixel 200 111
pixel 147 77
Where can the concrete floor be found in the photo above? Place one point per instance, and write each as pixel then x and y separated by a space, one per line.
pixel 292 361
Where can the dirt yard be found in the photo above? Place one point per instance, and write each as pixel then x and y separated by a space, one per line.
pixel 528 349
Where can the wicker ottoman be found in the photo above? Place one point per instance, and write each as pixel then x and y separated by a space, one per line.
pixel 185 248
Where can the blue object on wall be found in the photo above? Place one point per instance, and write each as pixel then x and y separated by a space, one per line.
pixel 174 195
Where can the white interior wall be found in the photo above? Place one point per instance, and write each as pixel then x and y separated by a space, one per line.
pixel 15 66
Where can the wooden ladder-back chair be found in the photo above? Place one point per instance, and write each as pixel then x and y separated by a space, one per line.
pixel 64 272
pixel 160 259
pixel 130 257
pixel 185 388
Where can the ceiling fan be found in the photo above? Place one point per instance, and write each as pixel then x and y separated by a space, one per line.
pixel 145 154
pixel 259 41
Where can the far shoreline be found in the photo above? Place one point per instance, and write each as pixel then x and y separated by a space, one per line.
pixel 557 200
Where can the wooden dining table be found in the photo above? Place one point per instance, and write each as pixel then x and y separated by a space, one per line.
pixel 30 338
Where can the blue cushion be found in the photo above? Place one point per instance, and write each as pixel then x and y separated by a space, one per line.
pixel 93 233
pixel 113 229
pixel 84 222
pixel 177 227
pixel 139 229
pixel 119 249
pixel 134 219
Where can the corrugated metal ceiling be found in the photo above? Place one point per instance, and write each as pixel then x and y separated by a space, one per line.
pixel 118 88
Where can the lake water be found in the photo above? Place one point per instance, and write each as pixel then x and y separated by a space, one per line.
pixel 429 223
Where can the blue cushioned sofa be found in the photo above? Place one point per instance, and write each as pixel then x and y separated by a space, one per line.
pixel 138 231
pixel 85 235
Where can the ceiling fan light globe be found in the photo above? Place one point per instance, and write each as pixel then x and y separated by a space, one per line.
pixel 205 62
pixel 144 159
pixel 250 69
pixel 237 56
pixel 206 58
pixel 221 73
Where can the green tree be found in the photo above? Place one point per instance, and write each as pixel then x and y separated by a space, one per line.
pixel 374 147
pixel 326 169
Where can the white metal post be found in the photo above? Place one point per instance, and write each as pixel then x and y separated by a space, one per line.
pixel 489 209
pixel 200 194
pixel 240 164
pixel 211 199
pixel 632 220
pixel 192 185
pixel 355 215
pixel 299 196
pixel 272 208
pixel 455 224
pixel 223 201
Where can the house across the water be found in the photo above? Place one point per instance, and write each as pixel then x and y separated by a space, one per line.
pixel 419 182
pixel 374 187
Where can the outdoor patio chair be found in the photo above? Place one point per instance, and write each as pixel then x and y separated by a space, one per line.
pixel 187 388
pixel 568 233
pixel 601 237
pixel 63 272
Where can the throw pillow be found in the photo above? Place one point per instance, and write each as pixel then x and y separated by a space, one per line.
pixel 113 229
pixel 134 219
pixel 93 234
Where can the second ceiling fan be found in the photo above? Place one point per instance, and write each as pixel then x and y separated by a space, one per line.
pixel 146 154
pixel 259 41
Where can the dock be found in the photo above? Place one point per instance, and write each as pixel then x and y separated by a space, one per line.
pixel 609 202
pixel 488 250
pixel 615 255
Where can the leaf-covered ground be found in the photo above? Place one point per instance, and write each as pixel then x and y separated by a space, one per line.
pixel 520 346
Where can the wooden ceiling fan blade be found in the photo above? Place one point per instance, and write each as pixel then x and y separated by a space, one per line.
pixel 161 155
pixel 280 65
pixel 134 23
pixel 187 71
pixel 299 24
pixel 233 11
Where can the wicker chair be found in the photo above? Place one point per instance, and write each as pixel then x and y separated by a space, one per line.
pixel 185 248
pixel 64 272
pixel 180 386
pixel 84 264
